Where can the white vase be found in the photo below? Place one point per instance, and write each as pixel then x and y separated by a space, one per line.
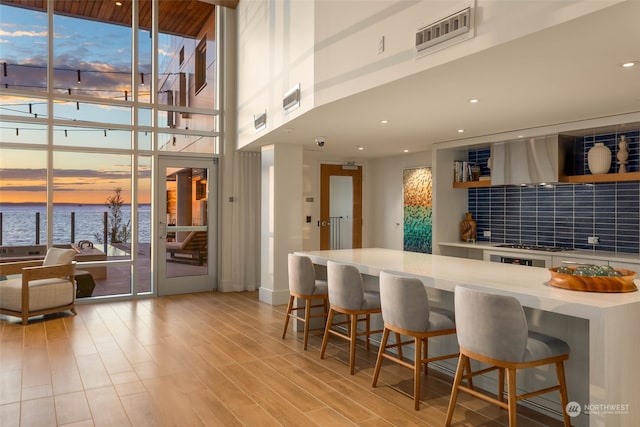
pixel 599 158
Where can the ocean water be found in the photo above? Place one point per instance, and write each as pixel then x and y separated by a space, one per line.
pixel 19 223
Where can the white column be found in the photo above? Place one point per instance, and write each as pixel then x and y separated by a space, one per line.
pixel 282 218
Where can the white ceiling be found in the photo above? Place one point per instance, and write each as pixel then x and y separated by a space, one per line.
pixel 564 74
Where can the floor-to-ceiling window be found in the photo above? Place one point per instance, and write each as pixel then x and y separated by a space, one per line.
pixel 91 93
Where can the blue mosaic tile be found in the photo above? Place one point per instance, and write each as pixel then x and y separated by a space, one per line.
pixel 480 157
pixel 566 215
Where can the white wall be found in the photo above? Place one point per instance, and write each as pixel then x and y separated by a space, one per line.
pixel 275 54
pixel 347 34
pixel 386 228
pixel 331 47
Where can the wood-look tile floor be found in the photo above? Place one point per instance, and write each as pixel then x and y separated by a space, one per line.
pixel 208 359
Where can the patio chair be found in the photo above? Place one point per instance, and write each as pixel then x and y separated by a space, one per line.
pixel 45 286
pixel 194 245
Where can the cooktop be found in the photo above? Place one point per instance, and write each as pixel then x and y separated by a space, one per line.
pixel 535 247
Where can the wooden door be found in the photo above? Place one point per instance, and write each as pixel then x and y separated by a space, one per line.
pixel 326 172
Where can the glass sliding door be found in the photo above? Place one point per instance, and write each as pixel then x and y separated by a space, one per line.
pixel 186 218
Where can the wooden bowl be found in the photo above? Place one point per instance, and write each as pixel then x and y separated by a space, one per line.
pixel 622 283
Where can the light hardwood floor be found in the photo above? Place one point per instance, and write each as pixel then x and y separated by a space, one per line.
pixel 206 359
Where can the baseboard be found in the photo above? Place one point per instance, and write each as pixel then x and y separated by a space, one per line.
pixel 272 297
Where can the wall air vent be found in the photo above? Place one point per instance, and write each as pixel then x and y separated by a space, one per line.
pixel 458 26
pixel 291 99
pixel 260 121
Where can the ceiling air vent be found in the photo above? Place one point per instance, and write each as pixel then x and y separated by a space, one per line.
pixel 456 26
pixel 260 121
pixel 291 99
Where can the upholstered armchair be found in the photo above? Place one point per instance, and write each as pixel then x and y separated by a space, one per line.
pixel 43 287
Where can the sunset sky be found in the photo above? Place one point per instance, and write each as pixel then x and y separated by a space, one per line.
pixel 23 177
pixel 103 53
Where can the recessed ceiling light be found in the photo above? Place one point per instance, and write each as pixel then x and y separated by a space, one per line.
pixel 384 122
pixel 360 147
pixel 406 151
pixel 460 130
pixel 474 100
pixel 629 64
pixel 118 3
pixel 520 136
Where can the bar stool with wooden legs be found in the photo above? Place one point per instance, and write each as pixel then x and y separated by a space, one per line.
pixel 493 329
pixel 406 311
pixel 347 296
pixel 304 285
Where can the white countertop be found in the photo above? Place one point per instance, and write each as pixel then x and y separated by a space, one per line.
pixel 574 253
pixel 527 284
pixel 612 334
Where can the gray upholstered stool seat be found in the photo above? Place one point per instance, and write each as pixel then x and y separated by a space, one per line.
pixel 347 296
pixel 493 329
pixel 406 311
pixel 371 300
pixel 540 346
pixel 441 319
pixel 303 284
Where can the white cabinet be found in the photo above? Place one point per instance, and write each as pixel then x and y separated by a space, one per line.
pixel 626 265
pixel 559 260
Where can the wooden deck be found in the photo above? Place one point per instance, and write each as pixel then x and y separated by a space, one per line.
pixel 118 278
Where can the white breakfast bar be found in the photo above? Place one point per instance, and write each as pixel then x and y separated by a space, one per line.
pixel 611 337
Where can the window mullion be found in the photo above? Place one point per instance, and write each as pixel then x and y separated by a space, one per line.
pixel 50 122
pixel 134 135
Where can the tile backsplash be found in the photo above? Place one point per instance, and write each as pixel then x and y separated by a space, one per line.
pixel 565 214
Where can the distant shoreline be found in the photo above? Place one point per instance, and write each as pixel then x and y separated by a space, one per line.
pixel 26 223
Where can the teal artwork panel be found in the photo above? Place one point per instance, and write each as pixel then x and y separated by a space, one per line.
pixel 418 229
pixel 417 205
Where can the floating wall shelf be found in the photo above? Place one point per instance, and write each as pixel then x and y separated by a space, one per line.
pixel 604 177
pixel 473 184
pixel 574 179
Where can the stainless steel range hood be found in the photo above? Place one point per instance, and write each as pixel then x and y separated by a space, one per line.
pixel 527 161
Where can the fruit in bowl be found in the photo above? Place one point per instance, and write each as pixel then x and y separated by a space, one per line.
pixel 593 278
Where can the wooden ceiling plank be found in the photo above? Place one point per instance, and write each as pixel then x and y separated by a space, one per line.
pixel 182 18
pixel 106 11
pixel 144 15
